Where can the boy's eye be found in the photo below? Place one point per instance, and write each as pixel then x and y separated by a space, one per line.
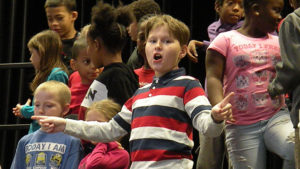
pixel 49 105
pixel 87 61
pixel 166 41
pixel 277 10
pixel 59 18
pixel 49 19
pixel 230 3
pixel 152 41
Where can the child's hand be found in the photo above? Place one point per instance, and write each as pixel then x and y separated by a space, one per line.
pixel 222 111
pixel 17 110
pixel 51 124
pixel 192 53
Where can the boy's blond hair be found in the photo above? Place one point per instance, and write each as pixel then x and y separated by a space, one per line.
pixel 59 89
pixel 84 30
pixel 176 28
pixel 107 107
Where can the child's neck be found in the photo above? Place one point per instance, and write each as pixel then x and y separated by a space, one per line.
pixel 146 65
pixel 110 58
pixel 70 35
pixel 251 30
pixel 224 23
pixel 86 81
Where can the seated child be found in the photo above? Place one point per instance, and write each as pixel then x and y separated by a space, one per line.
pixel 104 155
pixel 160 117
pixel 43 150
pixel 82 63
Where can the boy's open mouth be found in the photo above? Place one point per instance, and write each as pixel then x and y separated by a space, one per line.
pixel 157 56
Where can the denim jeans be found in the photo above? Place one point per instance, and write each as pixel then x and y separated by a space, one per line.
pixel 247 144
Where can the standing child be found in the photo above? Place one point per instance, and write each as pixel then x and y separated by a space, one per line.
pixel 230 13
pixel 145 73
pixel 139 9
pixel 106 39
pixel 159 117
pixel 117 81
pixel 45 48
pixel 61 16
pixel 212 150
pixel 287 71
pixel 104 155
pixel 43 150
pixel 82 63
pixel 243 61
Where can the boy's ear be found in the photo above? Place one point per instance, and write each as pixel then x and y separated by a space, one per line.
pixel 65 110
pixel 183 52
pixel 74 15
pixel 217 7
pixel 97 44
pixel 73 64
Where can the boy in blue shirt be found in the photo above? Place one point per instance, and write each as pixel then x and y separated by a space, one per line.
pixel 43 150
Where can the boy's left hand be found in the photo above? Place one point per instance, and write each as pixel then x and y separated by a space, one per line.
pixel 222 111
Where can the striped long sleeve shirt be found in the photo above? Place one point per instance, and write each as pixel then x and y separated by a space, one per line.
pixel 160 118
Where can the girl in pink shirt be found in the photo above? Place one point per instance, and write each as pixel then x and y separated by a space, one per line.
pixel 243 61
pixel 104 155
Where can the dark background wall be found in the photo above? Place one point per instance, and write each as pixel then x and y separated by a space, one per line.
pixel 21 19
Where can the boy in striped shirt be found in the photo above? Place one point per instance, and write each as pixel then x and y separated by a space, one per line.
pixel 160 116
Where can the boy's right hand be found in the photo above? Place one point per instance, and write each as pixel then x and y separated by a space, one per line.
pixel 192 52
pixel 51 124
pixel 222 111
pixel 17 110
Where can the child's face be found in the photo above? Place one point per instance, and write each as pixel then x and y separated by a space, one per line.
pixel 85 67
pixel 231 11
pixel 270 16
pixel 133 31
pixel 163 51
pixel 61 20
pixel 35 58
pixel 47 104
pixel 94 115
pixel 141 43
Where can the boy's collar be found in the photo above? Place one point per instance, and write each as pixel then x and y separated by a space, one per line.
pixel 220 25
pixel 169 76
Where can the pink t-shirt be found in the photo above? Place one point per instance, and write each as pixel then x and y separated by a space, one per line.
pixel 250 66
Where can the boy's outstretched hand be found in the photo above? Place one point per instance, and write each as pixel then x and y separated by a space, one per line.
pixel 51 124
pixel 222 111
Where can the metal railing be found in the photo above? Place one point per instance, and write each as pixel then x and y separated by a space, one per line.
pixel 11 133
pixel 14 126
